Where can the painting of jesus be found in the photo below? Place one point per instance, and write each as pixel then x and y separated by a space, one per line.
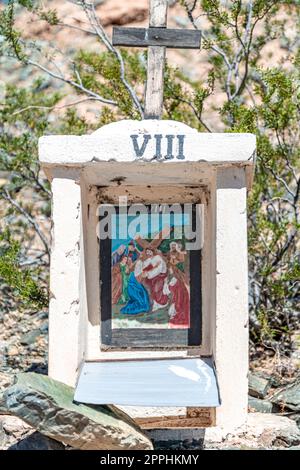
pixel 150 282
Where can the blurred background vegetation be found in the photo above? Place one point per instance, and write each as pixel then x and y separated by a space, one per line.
pixel 248 81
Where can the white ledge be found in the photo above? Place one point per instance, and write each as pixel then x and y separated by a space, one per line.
pixel 113 143
pixel 162 383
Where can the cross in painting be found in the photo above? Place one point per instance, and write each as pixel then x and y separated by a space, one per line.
pixel 151 279
pixel 157 37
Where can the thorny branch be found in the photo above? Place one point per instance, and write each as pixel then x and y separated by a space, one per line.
pixel 234 80
pixel 55 107
pixel 96 30
pixel 195 111
pixel 214 47
pixel 89 9
pixel 71 82
pixel 6 195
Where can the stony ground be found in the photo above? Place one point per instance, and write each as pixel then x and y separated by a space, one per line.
pixel 274 389
pixel 23 342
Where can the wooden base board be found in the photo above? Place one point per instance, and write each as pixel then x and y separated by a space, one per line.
pixel 194 418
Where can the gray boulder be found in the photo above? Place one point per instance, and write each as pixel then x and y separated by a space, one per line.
pixel 12 430
pixel 288 397
pixel 5 381
pixel 262 431
pixel 37 441
pixel 30 337
pixel 3 409
pixel 258 385
pixel 272 430
pixel 47 406
pixel 263 406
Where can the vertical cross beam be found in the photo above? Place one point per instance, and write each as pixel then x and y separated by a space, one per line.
pixel 157 37
pixel 156 63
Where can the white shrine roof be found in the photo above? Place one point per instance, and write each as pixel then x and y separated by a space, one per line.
pixel 112 143
pixel 110 152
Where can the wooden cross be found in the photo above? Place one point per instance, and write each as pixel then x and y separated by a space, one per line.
pixel 157 37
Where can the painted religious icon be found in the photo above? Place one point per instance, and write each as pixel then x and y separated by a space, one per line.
pixel 149 281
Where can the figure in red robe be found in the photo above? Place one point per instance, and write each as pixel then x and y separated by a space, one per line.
pixel 154 275
pixel 179 309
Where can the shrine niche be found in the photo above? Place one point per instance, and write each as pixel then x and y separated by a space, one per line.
pixel 152 316
pixel 91 342
pixel 150 279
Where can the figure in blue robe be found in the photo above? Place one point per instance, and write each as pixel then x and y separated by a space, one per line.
pixel 138 297
pixel 132 251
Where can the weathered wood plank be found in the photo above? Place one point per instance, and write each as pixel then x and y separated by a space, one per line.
pixel 154 92
pixel 143 37
pixel 157 37
pixel 145 338
pixel 155 82
pixel 158 13
pixel 194 418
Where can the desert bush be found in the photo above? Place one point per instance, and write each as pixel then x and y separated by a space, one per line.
pixel 255 98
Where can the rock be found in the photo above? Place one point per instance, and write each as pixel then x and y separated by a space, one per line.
pixel 3 350
pixel 258 386
pixel 44 327
pixel 13 425
pixel 3 409
pixel 263 406
pixel 288 397
pixel 12 350
pixel 296 418
pixel 275 381
pixel 296 346
pixel 42 315
pixel 30 337
pixel 186 444
pixel 12 429
pixel 2 437
pixel 273 430
pixel 37 441
pixel 47 405
pixel 262 431
pixel 177 439
pixel 5 380
pixel 38 368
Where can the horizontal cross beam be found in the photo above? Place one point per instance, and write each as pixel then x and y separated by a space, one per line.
pixel 144 37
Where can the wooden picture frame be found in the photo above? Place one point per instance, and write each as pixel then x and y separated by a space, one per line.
pixel 150 338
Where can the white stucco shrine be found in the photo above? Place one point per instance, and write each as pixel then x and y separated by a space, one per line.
pixel 183 166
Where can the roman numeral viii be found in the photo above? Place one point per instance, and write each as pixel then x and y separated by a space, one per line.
pixel 166 142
